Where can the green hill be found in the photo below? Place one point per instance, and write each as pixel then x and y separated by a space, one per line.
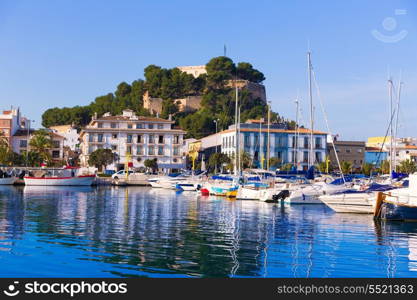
pixel 218 98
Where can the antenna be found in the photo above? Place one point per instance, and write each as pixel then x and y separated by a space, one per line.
pixel 224 50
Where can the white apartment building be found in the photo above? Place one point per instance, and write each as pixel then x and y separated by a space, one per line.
pixel 134 139
pixel 70 134
pixel 253 139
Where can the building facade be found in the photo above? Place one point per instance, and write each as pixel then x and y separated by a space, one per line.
pixel 70 134
pixel 21 143
pixel 12 121
pixel 348 151
pixel 253 139
pixel 134 139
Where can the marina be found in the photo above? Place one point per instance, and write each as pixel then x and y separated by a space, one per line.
pixel 146 232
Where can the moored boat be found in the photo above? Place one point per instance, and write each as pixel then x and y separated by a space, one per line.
pixel 399 205
pixel 7 180
pixel 84 180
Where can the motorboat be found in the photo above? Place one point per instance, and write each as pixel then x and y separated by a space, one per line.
pixel 355 201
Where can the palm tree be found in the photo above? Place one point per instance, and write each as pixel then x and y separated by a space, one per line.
pixel 407 166
pixel 41 143
pixel 367 168
pixel 346 167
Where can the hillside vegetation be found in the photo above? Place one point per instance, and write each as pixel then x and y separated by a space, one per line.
pixel 218 98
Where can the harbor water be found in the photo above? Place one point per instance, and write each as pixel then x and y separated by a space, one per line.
pixel 145 232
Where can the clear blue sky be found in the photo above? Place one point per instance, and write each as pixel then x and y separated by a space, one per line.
pixel 65 53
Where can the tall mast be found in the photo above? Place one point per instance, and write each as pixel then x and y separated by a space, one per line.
pixel 396 123
pixel 295 158
pixel 268 154
pixel 236 130
pixel 310 94
pixel 391 128
pixel 239 158
pixel 259 140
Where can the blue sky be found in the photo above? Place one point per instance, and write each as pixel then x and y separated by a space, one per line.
pixel 65 53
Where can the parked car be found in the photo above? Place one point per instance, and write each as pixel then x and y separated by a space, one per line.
pixel 121 174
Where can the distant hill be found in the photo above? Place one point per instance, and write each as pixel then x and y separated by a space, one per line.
pixel 215 86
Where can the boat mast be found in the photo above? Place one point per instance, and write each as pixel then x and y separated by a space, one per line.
pixel 239 156
pixel 259 141
pixel 236 130
pixel 396 122
pixel 391 129
pixel 295 158
pixel 310 93
pixel 268 154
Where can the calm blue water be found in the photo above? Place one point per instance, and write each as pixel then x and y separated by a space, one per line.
pixel 120 232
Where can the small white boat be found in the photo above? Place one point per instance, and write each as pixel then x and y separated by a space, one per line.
pixel 7 180
pixel 360 202
pixel 60 181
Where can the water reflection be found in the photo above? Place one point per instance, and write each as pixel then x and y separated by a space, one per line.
pixel 136 231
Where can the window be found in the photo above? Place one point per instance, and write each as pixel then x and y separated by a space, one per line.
pixel 347 150
pixel 359 150
pixel 150 126
pixel 23 143
pixel 176 139
pixel 139 140
pixel 100 138
pixel 294 140
pixel 246 140
pixel 306 142
pixel 90 149
pixel 129 138
pixel 139 126
pixel 160 139
pixel 151 150
pixel 129 149
pixel 160 150
pixel 160 126
pixel 318 143
pixel 279 155
pixel 305 156
pixel 114 147
pixel 100 125
pixel 113 125
pixel 114 136
pixel 55 154
pixel 318 157
pixel 176 150
pixel 257 140
pixel 151 139
pixel 129 126
pixel 91 138
pixel 278 141
pixel 139 150
pixel 56 144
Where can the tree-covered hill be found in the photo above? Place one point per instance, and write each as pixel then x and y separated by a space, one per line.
pixel 217 93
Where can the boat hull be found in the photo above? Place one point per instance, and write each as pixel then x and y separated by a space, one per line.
pixel 398 212
pixel 359 203
pixel 7 180
pixel 60 181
